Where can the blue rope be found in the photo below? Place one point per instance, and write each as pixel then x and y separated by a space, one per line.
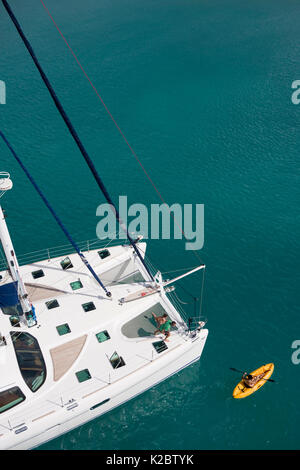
pixel 74 133
pixel 83 258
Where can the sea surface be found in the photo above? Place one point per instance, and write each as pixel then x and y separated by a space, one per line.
pixel 202 91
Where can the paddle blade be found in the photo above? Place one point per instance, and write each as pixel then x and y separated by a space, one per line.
pixel 235 370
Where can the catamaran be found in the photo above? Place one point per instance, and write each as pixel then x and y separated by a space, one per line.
pixel 77 325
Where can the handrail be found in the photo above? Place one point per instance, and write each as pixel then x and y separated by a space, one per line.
pixel 60 250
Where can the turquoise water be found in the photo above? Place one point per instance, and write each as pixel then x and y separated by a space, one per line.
pixel 202 90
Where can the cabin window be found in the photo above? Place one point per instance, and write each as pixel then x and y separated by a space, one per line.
pixel 160 346
pixel 52 304
pixel 30 359
pixel 38 273
pixel 83 375
pixel 9 398
pixel 63 329
pixel 116 361
pixel 102 336
pixel 88 306
pixel 76 285
pixel 66 263
pixel 99 404
pixel 103 254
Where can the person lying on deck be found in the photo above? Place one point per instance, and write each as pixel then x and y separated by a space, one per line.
pixel 160 320
pixel 165 328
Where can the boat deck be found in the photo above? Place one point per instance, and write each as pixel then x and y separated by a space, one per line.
pixel 79 345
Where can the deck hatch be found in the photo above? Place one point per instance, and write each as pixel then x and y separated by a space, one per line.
pixel 63 329
pixel 103 254
pixel 76 285
pixel 52 304
pixel 37 274
pixel 102 336
pixel 88 306
pixel 160 346
pixel 83 375
pixel 66 263
pixel 15 321
pixel 116 360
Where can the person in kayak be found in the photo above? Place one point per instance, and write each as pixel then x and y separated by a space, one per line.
pixel 165 328
pixel 251 380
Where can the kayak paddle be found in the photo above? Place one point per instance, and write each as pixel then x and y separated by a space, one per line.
pixel 236 370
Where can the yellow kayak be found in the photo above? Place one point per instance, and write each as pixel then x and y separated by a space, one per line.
pixel 241 391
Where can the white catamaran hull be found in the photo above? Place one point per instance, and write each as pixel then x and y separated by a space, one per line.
pixel 83 331
pixel 118 393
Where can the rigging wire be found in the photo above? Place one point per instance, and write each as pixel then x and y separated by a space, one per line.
pixel 83 258
pixel 202 289
pixel 195 299
pixel 78 141
pixel 74 133
pixel 117 126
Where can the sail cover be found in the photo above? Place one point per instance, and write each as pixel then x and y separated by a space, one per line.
pixel 9 294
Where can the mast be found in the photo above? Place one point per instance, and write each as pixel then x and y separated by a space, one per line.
pixel 12 263
pixel 75 136
pixel 9 252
